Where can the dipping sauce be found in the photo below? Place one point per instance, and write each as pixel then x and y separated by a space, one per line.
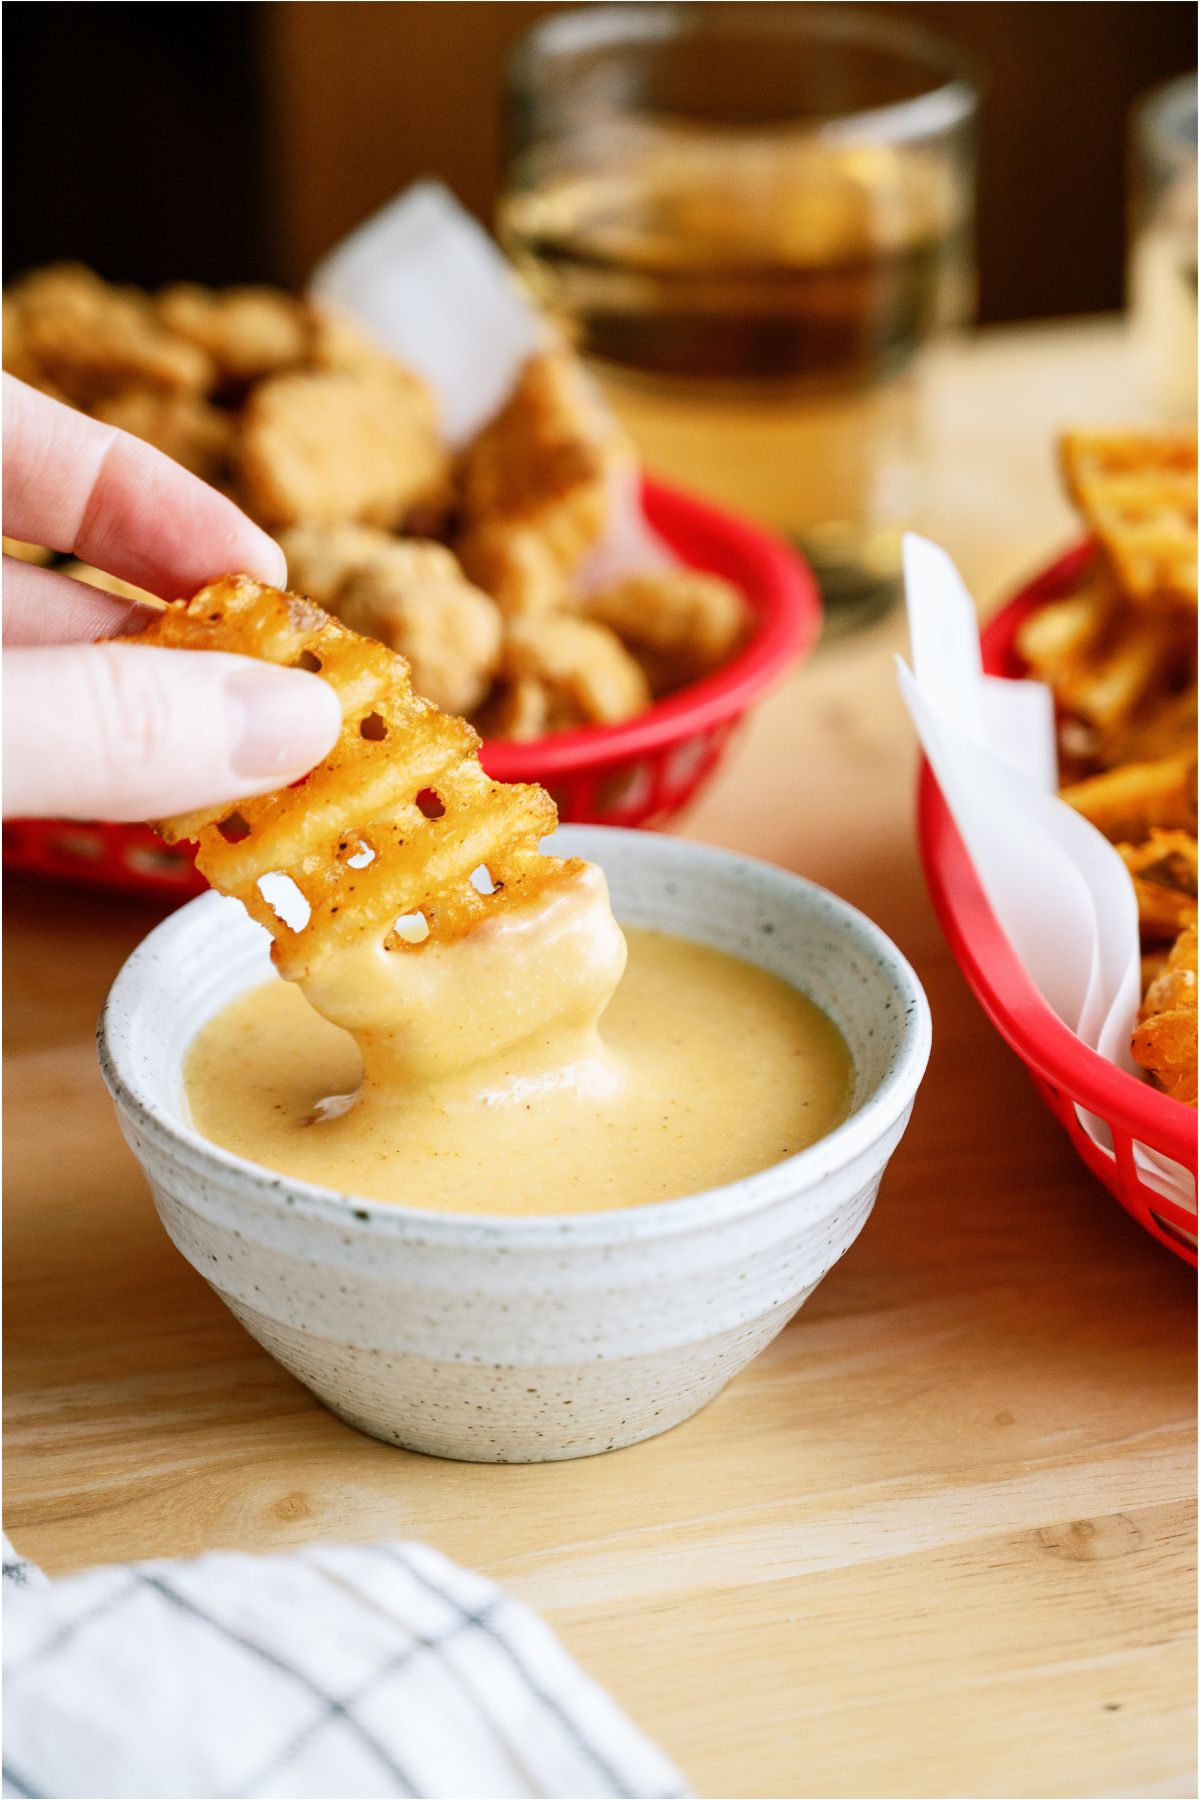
pixel 499 1095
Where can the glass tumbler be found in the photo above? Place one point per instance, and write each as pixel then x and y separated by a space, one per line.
pixel 752 220
pixel 1162 244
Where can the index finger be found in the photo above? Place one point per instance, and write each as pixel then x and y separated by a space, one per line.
pixel 74 484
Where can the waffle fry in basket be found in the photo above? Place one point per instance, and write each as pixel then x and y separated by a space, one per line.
pixel 1137 494
pixel 391 826
pixel 1165 1040
pixel 1120 657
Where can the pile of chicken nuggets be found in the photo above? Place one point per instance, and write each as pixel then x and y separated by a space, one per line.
pixel 1120 656
pixel 469 564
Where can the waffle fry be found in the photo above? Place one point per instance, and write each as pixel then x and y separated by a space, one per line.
pixel 1164 878
pixel 1165 1039
pixel 1127 803
pixel 1137 494
pixel 1109 665
pixel 395 821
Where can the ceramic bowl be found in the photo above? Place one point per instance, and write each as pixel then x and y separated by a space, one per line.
pixel 527 1339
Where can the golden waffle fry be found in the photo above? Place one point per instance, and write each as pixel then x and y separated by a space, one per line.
pixel 393 823
pixel 1105 661
pixel 1161 728
pixel 1137 493
pixel 1127 803
pixel 1165 1039
pixel 1164 878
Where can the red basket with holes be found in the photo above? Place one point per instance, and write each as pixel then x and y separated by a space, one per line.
pixel 1069 1075
pixel 639 773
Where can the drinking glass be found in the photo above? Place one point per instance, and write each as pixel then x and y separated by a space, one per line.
pixel 1162 244
pixel 753 220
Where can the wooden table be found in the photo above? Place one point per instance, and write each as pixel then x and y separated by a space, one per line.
pixel 937 1540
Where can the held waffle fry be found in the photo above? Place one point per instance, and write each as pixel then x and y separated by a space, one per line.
pixel 391 827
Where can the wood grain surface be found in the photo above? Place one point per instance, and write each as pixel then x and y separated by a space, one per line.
pixel 938 1540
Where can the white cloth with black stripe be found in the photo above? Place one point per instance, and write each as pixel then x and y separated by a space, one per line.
pixel 332 1671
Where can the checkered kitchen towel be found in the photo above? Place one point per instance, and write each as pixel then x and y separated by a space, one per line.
pixel 337 1670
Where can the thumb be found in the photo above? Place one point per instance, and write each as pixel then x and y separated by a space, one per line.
pixel 127 731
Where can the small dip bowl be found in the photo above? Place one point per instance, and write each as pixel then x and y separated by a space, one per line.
pixel 497 1339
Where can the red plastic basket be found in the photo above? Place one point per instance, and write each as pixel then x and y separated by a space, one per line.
pixel 639 773
pixel 1069 1075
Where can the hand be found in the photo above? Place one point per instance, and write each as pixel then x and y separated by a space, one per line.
pixel 107 730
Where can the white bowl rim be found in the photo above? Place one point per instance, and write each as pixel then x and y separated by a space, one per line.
pixel 804 1170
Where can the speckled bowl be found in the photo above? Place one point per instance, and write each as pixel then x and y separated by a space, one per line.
pixel 526 1339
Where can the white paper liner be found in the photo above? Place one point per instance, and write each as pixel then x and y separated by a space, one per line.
pixel 1059 891
pixel 427 282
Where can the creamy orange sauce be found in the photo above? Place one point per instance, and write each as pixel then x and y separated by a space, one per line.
pixel 502 1074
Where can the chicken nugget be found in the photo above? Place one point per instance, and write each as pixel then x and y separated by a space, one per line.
pixel 411 596
pixel 582 672
pixel 681 624
pixel 519 708
pixel 76 336
pixel 535 485
pixel 183 426
pixel 339 342
pixel 339 447
pixel 321 558
pixel 248 332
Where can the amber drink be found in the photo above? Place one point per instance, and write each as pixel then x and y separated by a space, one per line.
pixel 755 294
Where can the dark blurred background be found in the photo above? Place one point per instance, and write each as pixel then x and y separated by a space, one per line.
pixel 236 142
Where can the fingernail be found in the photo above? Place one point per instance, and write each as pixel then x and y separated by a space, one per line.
pixel 273 563
pixel 282 721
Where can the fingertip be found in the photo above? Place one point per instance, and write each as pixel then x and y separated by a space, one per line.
pixel 266 560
